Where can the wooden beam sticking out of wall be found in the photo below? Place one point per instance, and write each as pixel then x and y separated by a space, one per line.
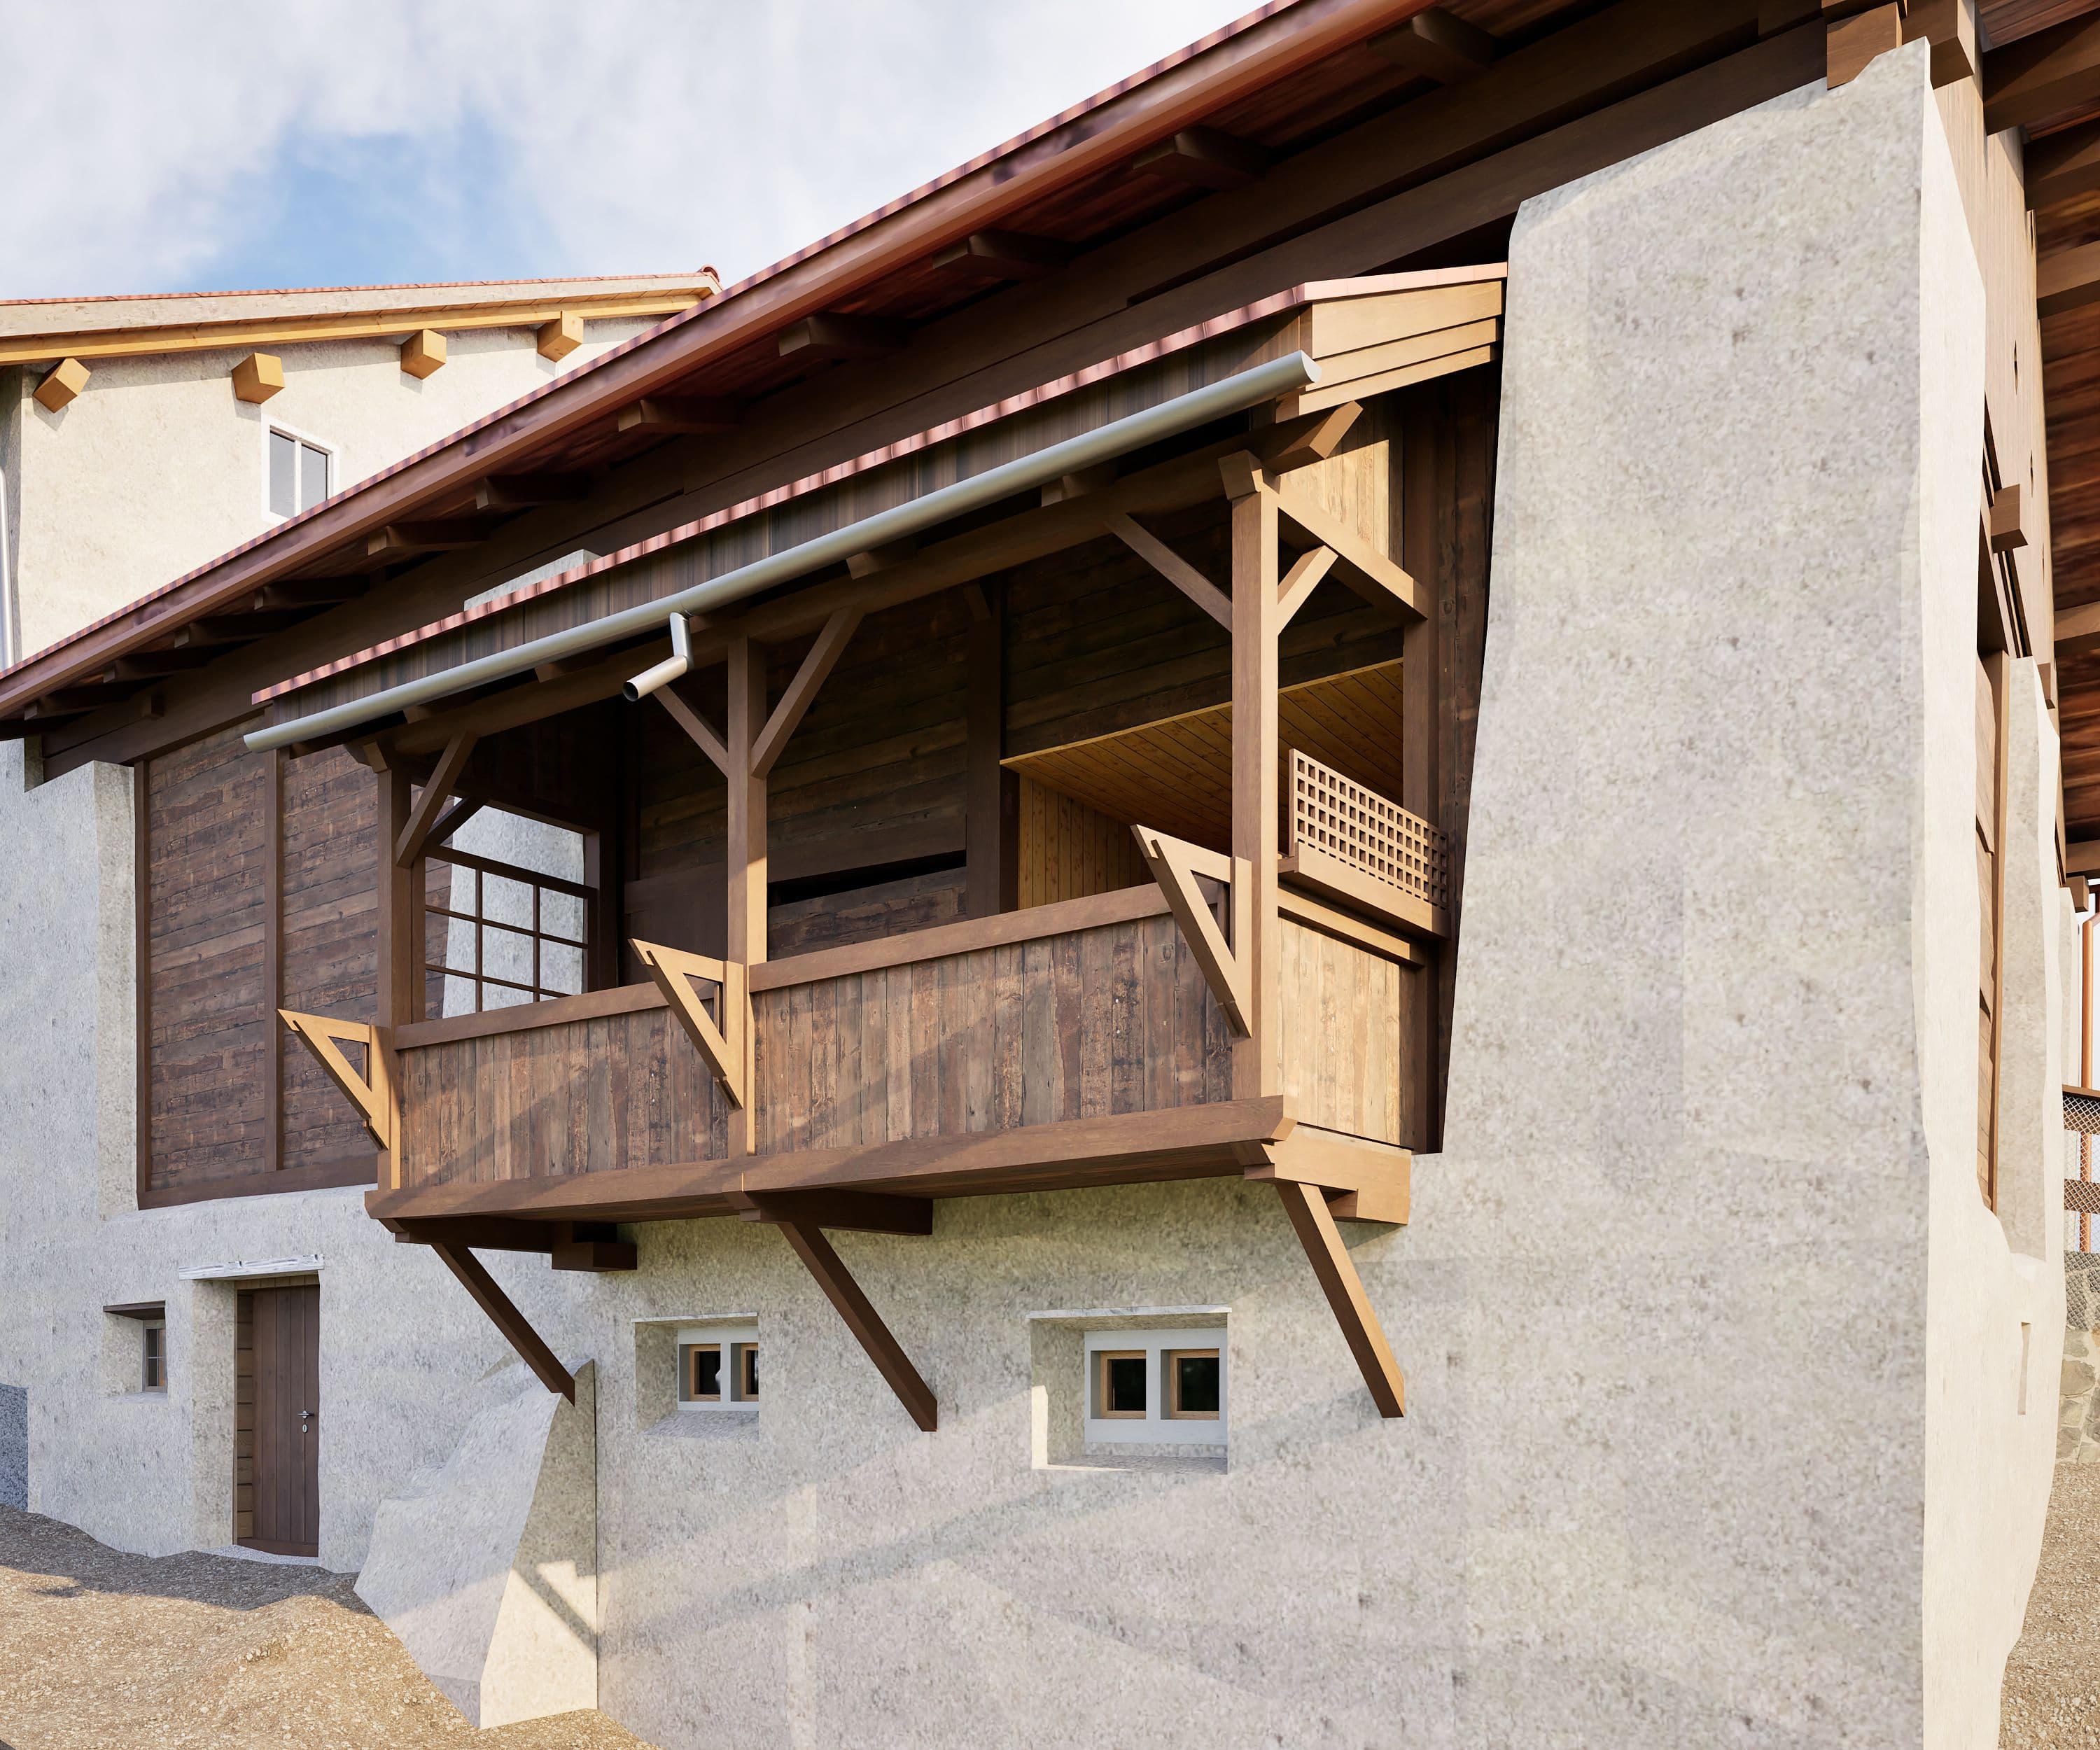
pixel 1175 864
pixel 723 1045
pixel 474 1278
pixel 1434 45
pixel 423 353
pixel 1316 442
pixel 309 593
pixel 1204 158
pixel 833 335
pixel 822 1263
pixel 1950 26
pixel 2061 167
pixel 258 376
pixel 373 1093
pixel 2042 75
pixel 1003 255
pixel 1855 41
pixel 787 715
pixel 2068 280
pixel 560 337
pixel 430 805
pixel 2078 629
pixel 1336 1272
pixel 61 384
pixel 670 415
pixel 526 491
pixel 857 1211
pixel 1361 1180
pixel 1172 566
pixel 593 1247
pixel 2006 529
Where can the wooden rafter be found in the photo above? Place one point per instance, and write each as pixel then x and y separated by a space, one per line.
pixel 373 1093
pixel 801 692
pixel 531 1348
pixel 824 1263
pixel 1172 566
pixel 1175 864
pixel 1305 445
pixel 725 1044
pixel 430 805
pixel 1336 1271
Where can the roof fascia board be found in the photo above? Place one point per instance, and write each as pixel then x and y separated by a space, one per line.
pixel 1273 44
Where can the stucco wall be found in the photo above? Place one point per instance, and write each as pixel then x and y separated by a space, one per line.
pixel 1712 1352
pixel 156 468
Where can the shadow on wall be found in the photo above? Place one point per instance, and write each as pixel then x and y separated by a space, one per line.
pixel 14 1446
pixel 2078 1419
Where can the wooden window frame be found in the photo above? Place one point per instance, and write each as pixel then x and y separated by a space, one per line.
pixel 1171 1383
pixel 1161 1422
pixel 1103 1358
pixel 728 1343
pixel 688 1369
pixel 743 1381
pixel 535 990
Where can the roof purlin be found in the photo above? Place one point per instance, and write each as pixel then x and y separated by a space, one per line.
pixel 1175 94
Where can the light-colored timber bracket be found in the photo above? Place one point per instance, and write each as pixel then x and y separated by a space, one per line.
pixel 532 1349
pixel 373 1093
pixel 423 353
pixel 1362 1180
pixel 1366 570
pixel 724 1045
pixel 1175 864
pixel 1314 1222
pixel 801 1224
pixel 258 376
pixel 430 809
pixel 61 385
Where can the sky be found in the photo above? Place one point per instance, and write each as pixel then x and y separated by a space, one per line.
pixel 193 145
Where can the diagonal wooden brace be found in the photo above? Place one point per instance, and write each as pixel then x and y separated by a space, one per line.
pixel 373 1093
pixel 725 1044
pixel 1306 1207
pixel 832 1276
pixel 532 1350
pixel 1175 864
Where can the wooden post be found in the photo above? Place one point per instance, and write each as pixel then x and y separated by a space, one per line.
pixel 991 831
pixel 142 950
pixel 400 945
pixel 743 939
pixel 1420 743
pixel 273 964
pixel 1257 1060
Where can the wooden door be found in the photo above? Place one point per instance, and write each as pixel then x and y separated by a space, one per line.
pixel 288 1403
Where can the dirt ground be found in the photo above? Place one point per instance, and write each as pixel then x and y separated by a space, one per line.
pixel 2052 1694
pixel 99 1649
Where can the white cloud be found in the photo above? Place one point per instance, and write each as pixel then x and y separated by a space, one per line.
pixel 630 135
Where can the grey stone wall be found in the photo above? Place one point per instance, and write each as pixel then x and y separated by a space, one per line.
pixel 14 1446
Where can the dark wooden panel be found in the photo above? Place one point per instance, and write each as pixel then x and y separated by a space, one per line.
pixel 580 1097
pixel 287 1463
pixel 208 847
pixel 244 1417
pixel 331 933
pixel 1102 1021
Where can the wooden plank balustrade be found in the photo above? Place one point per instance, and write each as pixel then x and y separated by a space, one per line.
pixel 1087 1024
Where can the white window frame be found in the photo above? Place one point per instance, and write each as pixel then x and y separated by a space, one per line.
pixel 145 1327
pixel 729 1338
pixel 1155 1427
pixel 333 454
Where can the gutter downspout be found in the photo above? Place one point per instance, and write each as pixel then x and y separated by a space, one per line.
pixel 1234 395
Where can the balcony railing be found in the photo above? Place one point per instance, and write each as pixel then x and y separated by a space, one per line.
pixel 1349 841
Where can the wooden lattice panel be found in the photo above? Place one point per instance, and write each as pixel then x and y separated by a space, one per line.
pixel 1357 826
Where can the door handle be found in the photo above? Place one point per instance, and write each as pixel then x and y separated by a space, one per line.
pixel 305 1416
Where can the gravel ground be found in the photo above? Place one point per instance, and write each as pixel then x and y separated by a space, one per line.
pixel 2052 1695
pixel 99 1648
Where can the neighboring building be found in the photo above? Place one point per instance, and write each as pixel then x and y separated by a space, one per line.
pixel 142 436
pixel 1541 516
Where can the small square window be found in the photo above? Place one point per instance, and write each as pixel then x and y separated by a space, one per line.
pixel 153 1357
pixel 718 1367
pixel 1192 1384
pixel 1119 1384
pixel 298 474
pixel 703 1373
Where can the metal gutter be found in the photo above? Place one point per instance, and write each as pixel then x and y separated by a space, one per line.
pixel 1234 395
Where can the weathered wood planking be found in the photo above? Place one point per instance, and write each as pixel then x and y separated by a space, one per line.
pixel 209 1028
pixel 586 1096
pixel 1070 851
pixel 1100 1022
pixel 331 938
pixel 1343 1039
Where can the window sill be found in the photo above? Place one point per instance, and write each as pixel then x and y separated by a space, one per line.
pixel 1184 1461
pixel 705 1424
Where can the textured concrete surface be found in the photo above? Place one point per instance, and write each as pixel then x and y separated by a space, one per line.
pixel 14 1446
pixel 156 468
pixel 486 1567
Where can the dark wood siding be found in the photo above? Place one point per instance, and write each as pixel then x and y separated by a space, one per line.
pixel 209 840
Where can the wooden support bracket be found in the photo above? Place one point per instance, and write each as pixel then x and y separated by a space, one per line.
pixel 1175 864
pixel 724 1045
pixel 1173 567
pixel 373 1093
pixel 1361 1180
pixel 1368 571
pixel 802 1232
pixel 801 692
pixel 1314 1222
pixel 1300 581
pixel 430 805
pixel 696 726
pixel 475 1279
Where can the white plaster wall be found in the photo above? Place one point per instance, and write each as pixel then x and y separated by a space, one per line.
pixel 1710 1344
pixel 156 469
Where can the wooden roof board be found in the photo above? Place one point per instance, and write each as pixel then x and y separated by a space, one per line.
pixel 1175 774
